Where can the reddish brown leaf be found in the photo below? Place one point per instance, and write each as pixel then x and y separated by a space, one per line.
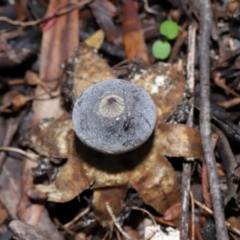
pixel 49 23
pixel 173 212
pixel 165 222
pixel 133 37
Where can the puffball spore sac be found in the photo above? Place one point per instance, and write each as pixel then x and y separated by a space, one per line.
pixel 114 116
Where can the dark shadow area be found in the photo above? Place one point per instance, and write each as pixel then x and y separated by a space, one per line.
pixel 113 163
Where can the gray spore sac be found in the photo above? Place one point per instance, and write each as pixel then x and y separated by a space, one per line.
pixel 119 117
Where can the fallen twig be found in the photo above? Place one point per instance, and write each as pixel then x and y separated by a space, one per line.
pixel 228 163
pixel 116 222
pixel 120 228
pixel 204 49
pixel 208 210
pixel 11 128
pixel 192 215
pixel 81 214
pixel 147 212
pixel 55 14
pixel 178 43
pixel 187 166
pixel 230 103
pixel 31 156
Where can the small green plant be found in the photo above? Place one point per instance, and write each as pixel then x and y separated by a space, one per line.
pixel 161 49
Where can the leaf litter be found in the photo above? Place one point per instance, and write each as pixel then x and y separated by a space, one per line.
pixel 89 194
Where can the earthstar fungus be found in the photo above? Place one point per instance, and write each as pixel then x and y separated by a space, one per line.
pixel 114 116
pixel 110 176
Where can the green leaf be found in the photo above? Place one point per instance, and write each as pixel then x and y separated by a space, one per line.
pixel 161 50
pixel 169 29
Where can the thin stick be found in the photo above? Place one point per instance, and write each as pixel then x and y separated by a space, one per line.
pixel 228 161
pixel 147 212
pixel 106 235
pixel 205 128
pixel 11 128
pixel 118 235
pixel 116 223
pixel 17 150
pixel 187 166
pixel 193 215
pixel 208 210
pixel 81 214
pixel 148 9
pixel 38 21
pixel 119 227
